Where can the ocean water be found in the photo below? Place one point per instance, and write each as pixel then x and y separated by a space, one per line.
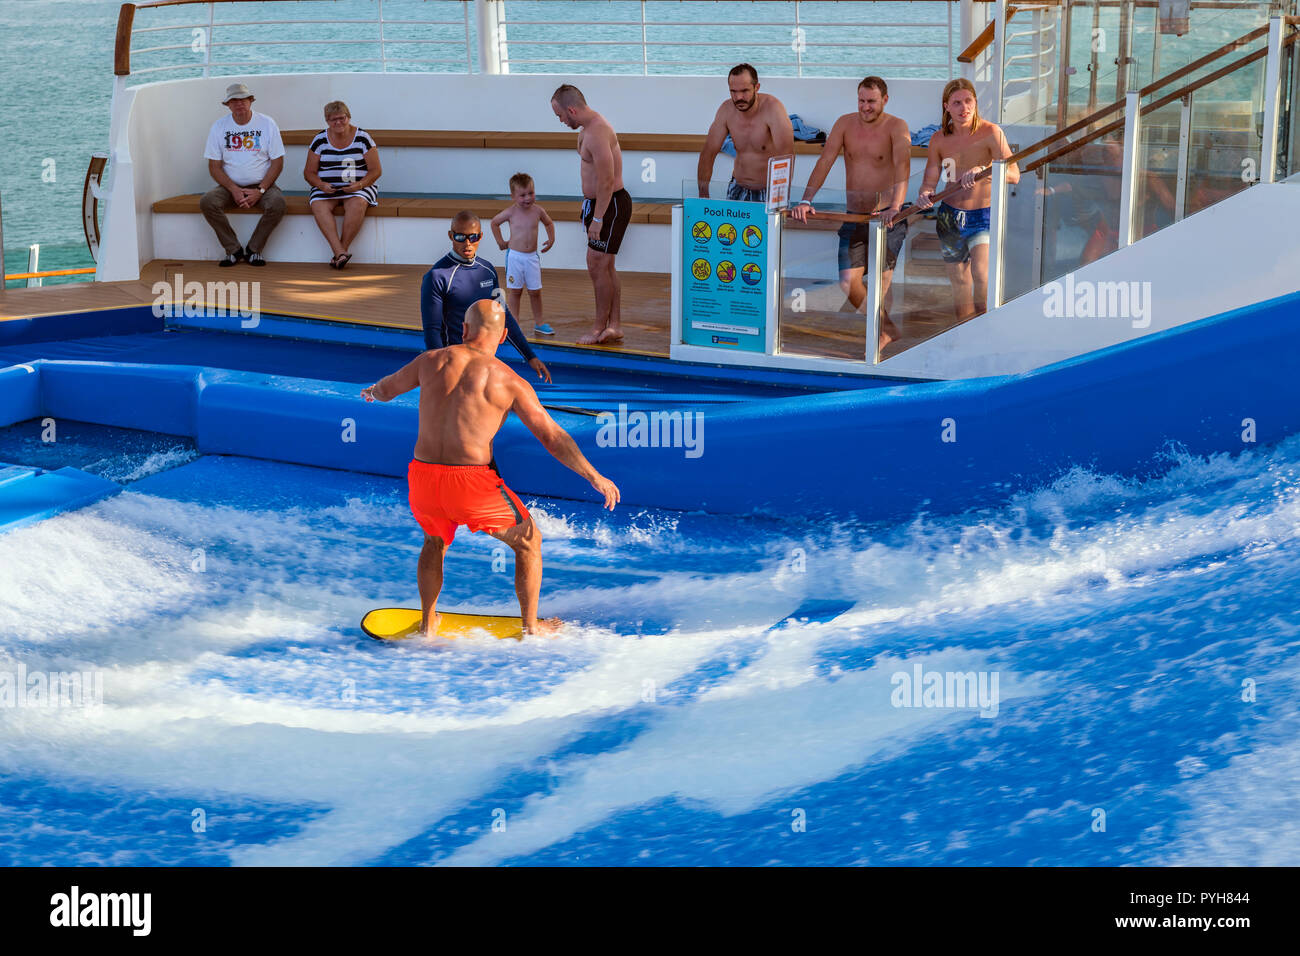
pixel 57 60
pixel 728 691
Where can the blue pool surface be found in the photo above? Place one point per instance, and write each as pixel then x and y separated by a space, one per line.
pixel 726 694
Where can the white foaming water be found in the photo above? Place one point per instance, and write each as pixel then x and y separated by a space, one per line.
pixel 234 680
pixel 126 472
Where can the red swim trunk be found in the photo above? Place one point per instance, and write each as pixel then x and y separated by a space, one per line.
pixel 445 496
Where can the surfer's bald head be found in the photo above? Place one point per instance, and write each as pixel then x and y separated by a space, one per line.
pixel 485 320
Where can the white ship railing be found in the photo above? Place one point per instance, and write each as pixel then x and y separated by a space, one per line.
pixel 792 38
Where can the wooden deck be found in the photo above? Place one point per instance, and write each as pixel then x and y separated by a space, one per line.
pixel 388 296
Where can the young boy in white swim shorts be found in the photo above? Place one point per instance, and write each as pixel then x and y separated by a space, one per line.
pixel 523 260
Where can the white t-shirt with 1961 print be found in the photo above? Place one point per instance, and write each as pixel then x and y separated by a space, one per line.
pixel 245 151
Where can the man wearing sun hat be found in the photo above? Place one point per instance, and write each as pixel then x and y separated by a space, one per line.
pixel 245 156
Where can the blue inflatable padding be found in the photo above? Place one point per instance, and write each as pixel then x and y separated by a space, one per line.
pixel 43 494
pixel 159 398
pixel 45 328
pixel 306 422
pixel 879 453
pixel 20 393
pixel 11 473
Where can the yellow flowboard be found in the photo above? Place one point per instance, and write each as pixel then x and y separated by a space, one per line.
pixel 398 623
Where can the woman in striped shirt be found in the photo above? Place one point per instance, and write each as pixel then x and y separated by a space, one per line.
pixel 342 167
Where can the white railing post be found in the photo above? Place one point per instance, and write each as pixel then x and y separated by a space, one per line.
pixel 952 54
pixel 874 282
pixel 1040 214
pixel 491 37
pixel 34 264
pixel 997 236
pixel 207 46
pixel 1272 100
pixel 967 35
pixel 1129 182
pixel 999 58
pixel 1038 62
pixel 798 40
pixel 383 47
pixel 645 60
pixel 1184 152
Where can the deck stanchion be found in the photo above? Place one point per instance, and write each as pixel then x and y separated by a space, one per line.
pixel 34 265
pixel 1184 152
pixel 999 57
pixel 491 36
pixel 1128 185
pixel 997 236
pixel 873 281
pixel 1272 98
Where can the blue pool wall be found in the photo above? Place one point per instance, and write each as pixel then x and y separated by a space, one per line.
pixel 875 453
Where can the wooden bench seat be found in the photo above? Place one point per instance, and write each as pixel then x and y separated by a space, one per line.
pixel 562 210
pixel 484 139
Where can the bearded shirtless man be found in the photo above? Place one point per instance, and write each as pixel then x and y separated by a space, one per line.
pixel 877 161
pixel 759 128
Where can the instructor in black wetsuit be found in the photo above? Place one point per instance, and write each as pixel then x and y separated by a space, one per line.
pixel 457 281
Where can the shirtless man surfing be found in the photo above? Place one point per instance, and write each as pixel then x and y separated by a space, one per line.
pixel 962 150
pixel 606 206
pixel 759 128
pixel 466 393
pixel 877 161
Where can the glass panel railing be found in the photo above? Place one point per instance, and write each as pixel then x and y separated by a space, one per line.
pixel 1080 197
pixel 928 294
pixel 1156 188
pixel 822 294
pixel 926 286
pixel 1097 71
pixel 1226 136
pixel 1199 143
pixel 1288 118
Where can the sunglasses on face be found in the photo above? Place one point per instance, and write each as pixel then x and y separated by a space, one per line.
pixel 466 236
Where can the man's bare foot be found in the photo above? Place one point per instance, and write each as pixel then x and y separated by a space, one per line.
pixel 592 337
pixel 889 332
pixel 544 627
pixel 609 335
pixel 433 631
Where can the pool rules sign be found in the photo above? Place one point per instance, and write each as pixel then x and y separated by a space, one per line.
pixel 725 279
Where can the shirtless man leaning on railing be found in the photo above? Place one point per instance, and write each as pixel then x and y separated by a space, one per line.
pixel 759 128
pixel 877 160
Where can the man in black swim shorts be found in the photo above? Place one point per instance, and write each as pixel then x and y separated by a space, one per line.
pixel 606 207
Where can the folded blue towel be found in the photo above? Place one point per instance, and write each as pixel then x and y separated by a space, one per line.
pixel 803 132
pixel 806 132
pixel 921 137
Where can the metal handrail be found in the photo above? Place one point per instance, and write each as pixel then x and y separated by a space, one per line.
pixel 47 273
